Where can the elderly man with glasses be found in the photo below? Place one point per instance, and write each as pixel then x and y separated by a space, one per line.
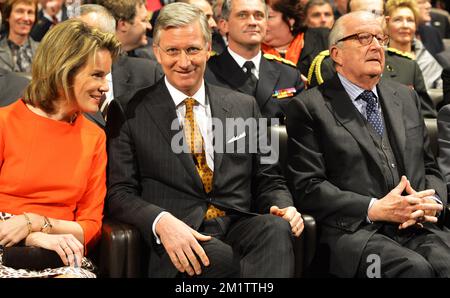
pixel 360 163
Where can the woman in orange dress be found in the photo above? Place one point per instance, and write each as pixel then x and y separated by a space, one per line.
pixel 52 158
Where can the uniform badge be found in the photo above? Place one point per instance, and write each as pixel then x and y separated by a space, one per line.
pixel 283 93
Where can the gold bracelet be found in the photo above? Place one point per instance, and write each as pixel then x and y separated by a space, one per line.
pixel 27 218
pixel 47 226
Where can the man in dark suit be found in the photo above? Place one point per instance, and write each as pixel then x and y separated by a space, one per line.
pixel 128 74
pixel 272 81
pixel 11 86
pixel 359 161
pixel 209 213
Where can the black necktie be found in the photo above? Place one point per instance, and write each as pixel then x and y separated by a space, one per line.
pixel 372 112
pixel 252 81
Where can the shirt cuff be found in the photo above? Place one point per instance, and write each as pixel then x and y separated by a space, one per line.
pixel 158 241
pixel 370 206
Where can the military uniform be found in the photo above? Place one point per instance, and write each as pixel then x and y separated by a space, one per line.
pixel 399 67
pixel 279 80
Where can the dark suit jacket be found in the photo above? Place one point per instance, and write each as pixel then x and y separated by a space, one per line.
pixel 440 21
pixel 335 169
pixel 315 41
pixel 224 71
pixel 147 177
pixel 129 75
pixel 43 24
pixel 443 123
pixel 12 86
pixel 446 85
pixel 431 39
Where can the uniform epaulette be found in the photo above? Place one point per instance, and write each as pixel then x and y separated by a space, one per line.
pixel 279 59
pixel 315 67
pixel 401 53
pixel 213 53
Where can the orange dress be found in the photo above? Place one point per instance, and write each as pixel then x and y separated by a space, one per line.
pixel 52 168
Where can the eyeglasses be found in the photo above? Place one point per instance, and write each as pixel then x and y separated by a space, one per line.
pixel 366 38
pixel 174 52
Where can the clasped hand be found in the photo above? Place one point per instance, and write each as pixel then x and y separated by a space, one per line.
pixel 407 210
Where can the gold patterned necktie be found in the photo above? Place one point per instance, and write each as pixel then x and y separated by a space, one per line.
pixel 196 145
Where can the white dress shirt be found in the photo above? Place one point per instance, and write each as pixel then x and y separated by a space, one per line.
pixel 241 60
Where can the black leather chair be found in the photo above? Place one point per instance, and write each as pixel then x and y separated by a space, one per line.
pixel 431 125
pixel 123 253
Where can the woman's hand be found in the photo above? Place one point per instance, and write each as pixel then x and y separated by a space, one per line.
pixel 65 245
pixel 13 230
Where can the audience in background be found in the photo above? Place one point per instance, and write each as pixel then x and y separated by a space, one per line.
pixel 128 74
pixel 51 13
pixel 402 20
pixel 318 13
pixel 288 38
pixel 132 23
pixel 242 67
pixel 17 48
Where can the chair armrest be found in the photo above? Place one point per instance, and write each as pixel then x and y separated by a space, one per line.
pixel 305 245
pixel 119 250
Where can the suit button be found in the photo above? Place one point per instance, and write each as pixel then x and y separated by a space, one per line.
pixel 393 165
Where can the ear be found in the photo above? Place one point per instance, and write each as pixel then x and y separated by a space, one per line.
pixel 123 26
pixel 223 25
pixel 336 55
pixel 291 22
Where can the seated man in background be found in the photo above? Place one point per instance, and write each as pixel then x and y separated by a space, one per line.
pixel 51 13
pixel 132 22
pixel 242 66
pixel 360 163
pixel 17 48
pixel 201 211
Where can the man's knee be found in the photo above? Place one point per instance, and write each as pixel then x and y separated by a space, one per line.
pixel 275 226
pixel 418 267
pixel 223 262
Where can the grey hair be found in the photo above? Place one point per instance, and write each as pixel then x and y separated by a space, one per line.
pixel 177 15
pixel 105 21
pixel 226 9
pixel 339 28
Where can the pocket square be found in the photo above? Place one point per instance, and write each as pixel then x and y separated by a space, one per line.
pixel 234 139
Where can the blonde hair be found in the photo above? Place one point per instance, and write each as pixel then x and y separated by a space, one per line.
pixel 393 5
pixel 62 52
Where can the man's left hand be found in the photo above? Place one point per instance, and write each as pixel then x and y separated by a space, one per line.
pixel 291 215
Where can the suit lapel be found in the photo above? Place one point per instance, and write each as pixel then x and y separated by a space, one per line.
pixel 340 105
pixel 163 111
pixel 220 111
pixel 392 113
pixel 268 79
pixel 229 71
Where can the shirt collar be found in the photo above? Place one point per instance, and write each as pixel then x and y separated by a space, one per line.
pixel 241 60
pixel 354 90
pixel 178 96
